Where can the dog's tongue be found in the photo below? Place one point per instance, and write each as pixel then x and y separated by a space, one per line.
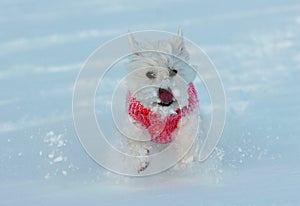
pixel 165 96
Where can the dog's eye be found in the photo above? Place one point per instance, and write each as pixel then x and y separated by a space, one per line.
pixel 151 75
pixel 172 72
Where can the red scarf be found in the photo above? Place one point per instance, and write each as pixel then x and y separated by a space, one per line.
pixel 159 129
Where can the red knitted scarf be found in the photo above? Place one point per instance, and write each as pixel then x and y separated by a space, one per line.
pixel 159 129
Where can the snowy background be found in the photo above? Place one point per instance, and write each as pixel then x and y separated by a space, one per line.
pixel 255 46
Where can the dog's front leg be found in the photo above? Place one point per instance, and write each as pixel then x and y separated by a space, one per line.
pixel 186 139
pixel 141 152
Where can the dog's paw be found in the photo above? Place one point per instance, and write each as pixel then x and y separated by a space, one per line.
pixel 143 166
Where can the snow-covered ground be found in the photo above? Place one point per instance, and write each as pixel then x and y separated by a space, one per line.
pixel 255 46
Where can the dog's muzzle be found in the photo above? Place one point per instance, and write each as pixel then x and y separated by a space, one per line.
pixel 165 96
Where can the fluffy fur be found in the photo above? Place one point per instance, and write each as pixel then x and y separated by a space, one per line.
pixel 150 73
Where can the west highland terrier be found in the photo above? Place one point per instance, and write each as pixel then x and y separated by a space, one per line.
pixel 162 101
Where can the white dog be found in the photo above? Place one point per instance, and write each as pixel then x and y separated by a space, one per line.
pixel 162 101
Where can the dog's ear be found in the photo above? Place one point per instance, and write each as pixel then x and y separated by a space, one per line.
pixel 180 32
pixel 178 43
pixel 133 44
pixel 179 39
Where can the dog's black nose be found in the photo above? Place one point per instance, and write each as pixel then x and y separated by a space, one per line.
pixel 165 96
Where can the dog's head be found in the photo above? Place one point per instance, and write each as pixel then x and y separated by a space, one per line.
pixel 159 73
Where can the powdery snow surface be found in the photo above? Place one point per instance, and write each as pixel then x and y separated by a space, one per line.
pixel 255 47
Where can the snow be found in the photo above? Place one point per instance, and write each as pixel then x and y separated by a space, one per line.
pixel 255 46
pixel 58 159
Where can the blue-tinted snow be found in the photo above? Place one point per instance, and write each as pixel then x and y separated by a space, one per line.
pixel 255 46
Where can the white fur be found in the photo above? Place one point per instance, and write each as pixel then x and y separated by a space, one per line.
pixel 160 63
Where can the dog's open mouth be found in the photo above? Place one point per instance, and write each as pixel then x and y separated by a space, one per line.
pixel 166 97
